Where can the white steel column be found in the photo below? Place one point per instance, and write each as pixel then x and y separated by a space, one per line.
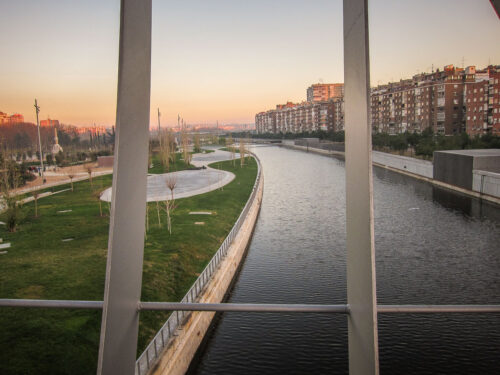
pixel 361 291
pixel 120 319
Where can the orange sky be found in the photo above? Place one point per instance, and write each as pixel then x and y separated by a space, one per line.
pixel 222 60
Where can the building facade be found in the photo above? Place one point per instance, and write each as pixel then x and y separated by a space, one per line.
pixel 448 101
pixel 16 118
pixel 322 92
pixel 482 102
pixel 301 117
pixel 428 100
pixel 49 122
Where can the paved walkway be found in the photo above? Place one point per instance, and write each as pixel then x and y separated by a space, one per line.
pixel 188 182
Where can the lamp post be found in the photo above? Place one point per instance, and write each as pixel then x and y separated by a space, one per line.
pixel 37 109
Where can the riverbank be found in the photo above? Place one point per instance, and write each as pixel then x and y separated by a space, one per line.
pixel 62 255
pixel 416 168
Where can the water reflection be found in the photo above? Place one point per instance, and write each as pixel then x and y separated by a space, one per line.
pixel 432 246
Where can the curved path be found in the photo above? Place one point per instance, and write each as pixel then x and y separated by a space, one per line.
pixel 188 182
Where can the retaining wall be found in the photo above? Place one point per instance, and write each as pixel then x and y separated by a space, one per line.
pixel 485 182
pixel 416 166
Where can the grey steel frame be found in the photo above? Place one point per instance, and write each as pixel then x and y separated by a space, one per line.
pixel 361 290
pixel 122 304
pixel 253 307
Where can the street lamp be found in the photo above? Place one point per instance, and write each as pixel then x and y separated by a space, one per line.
pixel 37 108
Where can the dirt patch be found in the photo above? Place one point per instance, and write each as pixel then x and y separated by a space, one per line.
pixel 31 292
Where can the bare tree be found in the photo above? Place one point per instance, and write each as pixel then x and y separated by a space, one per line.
pixel 167 149
pixel 197 147
pixel 158 212
pixel 230 144
pixel 70 173
pixel 97 195
pixel 90 169
pixel 247 142
pixel 242 151
pixel 9 183
pixel 171 183
pixel 35 195
pixel 185 146
pixel 150 155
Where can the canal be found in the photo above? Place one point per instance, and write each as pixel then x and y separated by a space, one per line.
pixel 432 247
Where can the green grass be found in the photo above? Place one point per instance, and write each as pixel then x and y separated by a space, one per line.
pixel 206 151
pixel 158 168
pixel 39 265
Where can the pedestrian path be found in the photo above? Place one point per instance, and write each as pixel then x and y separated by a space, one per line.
pixel 188 182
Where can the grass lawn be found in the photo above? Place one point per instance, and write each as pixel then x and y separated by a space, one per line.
pixel 158 168
pixel 40 265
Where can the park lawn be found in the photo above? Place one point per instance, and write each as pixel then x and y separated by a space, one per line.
pixel 159 168
pixel 39 265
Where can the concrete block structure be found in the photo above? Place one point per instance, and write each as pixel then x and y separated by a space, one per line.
pixel 456 167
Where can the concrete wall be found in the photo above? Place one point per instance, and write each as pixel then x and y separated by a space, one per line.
pixel 105 161
pixel 416 166
pixel 489 164
pixel 177 357
pixel 453 169
pixel 311 142
pixel 485 182
pixel 323 145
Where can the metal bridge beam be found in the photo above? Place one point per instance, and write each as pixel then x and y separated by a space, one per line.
pixel 361 291
pixel 120 318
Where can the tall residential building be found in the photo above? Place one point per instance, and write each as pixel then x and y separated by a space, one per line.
pixel 301 117
pixel 432 100
pixel 49 122
pixel 322 92
pixel 16 118
pixel 449 101
pixel 482 102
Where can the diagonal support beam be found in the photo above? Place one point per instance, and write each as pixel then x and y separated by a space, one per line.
pixel 361 291
pixel 120 319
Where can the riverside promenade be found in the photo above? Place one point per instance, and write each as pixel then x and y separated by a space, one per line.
pixel 188 182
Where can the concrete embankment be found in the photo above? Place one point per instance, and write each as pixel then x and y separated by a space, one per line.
pixel 177 356
pixel 422 170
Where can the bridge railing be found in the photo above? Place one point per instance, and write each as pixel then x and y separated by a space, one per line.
pixel 153 351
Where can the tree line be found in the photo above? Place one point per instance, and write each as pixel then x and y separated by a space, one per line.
pixel 421 144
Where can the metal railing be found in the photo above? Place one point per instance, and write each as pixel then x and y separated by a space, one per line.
pixel 152 352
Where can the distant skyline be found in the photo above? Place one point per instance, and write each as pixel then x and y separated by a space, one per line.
pixel 222 60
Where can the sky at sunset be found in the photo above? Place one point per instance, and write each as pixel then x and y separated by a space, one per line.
pixel 222 60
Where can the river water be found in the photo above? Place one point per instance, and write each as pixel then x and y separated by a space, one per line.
pixel 432 247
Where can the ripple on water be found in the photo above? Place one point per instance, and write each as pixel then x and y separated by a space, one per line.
pixel 446 252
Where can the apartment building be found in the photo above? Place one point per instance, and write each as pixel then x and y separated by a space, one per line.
pixel 432 100
pixel 16 118
pixel 482 102
pixel 301 117
pixel 449 101
pixel 49 122
pixel 322 92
